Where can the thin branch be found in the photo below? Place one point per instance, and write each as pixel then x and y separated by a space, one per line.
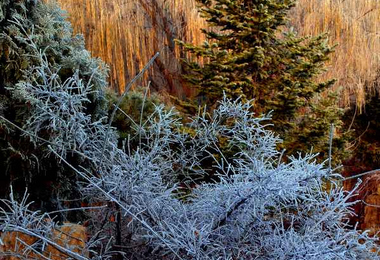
pixel 147 66
pixel 369 11
pixel 26 132
pixel 362 174
pixel 358 138
pixel 353 119
pixel 330 146
pixel 142 112
pixel 75 209
pixel 55 245
pixel 126 115
pixel 111 198
pixel 41 139
pixel 370 205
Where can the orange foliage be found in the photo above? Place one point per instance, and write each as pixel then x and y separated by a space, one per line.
pixel 70 236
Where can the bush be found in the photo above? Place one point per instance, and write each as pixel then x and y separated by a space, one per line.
pixel 137 106
pixel 29 29
pixel 260 207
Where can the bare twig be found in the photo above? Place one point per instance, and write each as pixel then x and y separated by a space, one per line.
pixel 127 88
pixel 362 174
pixel 142 112
pixel 48 241
pixel 330 146
pixel 370 205
pixel 77 209
pixel 117 202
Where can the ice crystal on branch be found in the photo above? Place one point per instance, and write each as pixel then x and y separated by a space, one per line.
pixel 254 206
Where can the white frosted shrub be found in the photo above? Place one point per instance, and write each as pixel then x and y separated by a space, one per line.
pixel 258 207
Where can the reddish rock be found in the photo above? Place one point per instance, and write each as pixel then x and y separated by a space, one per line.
pixel 69 236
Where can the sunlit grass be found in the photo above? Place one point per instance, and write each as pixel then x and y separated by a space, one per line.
pixel 127 33
pixel 355 26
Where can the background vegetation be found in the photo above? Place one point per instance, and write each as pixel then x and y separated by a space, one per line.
pixel 121 33
pixel 127 34
pixel 352 25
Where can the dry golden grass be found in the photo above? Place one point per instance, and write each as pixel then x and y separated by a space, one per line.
pixel 127 33
pixel 355 26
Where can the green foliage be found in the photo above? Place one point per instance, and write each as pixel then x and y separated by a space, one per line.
pixel 22 24
pixel 249 54
pixel 135 108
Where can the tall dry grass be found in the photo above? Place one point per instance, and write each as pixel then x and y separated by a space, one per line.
pixel 127 33
pixel 355 26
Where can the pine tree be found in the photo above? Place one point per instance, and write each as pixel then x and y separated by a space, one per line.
pixel 29 30
pixel 248 54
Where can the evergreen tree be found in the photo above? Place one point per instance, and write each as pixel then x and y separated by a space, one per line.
pixel 248 54
pixel 30 30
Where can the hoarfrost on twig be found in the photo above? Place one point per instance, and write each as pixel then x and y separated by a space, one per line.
pixel 258 207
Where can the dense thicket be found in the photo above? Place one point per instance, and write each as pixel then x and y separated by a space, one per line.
pixel 365 126
pixel 29 29
pixel 365 158
pixel 366 148
pixel 248 53
pixel 260 208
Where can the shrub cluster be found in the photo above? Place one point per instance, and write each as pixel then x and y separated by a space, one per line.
pixel 258 207
pixel 29 29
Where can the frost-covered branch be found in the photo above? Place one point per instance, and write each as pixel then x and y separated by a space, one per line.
pixel 253 207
